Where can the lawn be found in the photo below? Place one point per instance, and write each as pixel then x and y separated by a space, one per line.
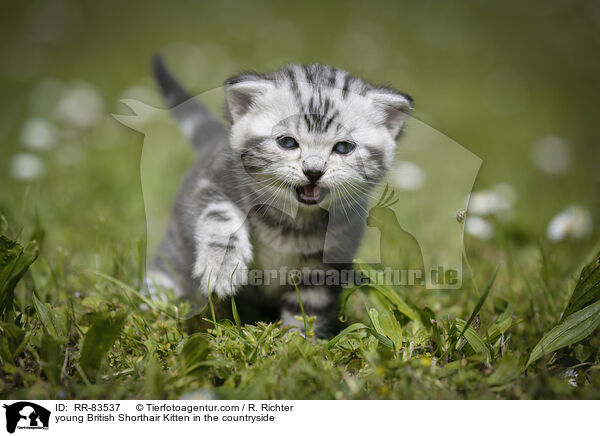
pixel 512 83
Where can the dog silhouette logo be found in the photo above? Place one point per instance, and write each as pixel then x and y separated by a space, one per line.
pixel 26 415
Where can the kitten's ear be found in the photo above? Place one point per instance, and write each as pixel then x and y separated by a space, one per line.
pixel 396 107
pixel 240 93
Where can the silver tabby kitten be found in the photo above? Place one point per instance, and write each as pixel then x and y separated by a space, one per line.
pixel 286 186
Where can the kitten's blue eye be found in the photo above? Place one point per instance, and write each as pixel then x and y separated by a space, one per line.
pixel 287 142
pixel 344 147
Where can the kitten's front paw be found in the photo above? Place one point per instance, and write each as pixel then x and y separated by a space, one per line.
pixel 221 275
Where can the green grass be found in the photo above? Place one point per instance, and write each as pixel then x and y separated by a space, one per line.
pixel 69 333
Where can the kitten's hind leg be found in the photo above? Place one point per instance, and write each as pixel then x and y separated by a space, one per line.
pixel 319 301
pixel 223 248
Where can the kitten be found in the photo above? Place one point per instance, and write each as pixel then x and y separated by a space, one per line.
pixel 285 187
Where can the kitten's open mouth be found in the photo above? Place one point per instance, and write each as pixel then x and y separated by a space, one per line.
pixel 311 193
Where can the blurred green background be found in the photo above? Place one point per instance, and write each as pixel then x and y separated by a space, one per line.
pixel 516 83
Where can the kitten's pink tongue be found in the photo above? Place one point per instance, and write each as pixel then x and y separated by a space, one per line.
pixel 311 191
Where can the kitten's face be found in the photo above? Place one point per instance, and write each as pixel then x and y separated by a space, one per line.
pixel 314 144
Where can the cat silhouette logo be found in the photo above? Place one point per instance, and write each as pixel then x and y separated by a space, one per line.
pixel 430 178
pixel 26 415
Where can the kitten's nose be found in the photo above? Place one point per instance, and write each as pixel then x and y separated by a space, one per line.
pixel 313 168
pixel 313 175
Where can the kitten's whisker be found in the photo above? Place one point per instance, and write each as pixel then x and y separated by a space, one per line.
pixel 342 204
pixel 361 190
pixel 350 204
pixel 287 186
pixel 262 190
pixel 272 198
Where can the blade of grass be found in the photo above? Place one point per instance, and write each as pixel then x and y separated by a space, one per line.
pixel 479 304
pixel 345 332
pixel 573 329
pixel 301 308
pixel 472 337
pixel 210 303
pixel 234 311
pixel 236 316
pixel 48 318
pixel 260 340
pixel 148 301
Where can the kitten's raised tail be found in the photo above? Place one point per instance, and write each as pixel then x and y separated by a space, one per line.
pixel 197 123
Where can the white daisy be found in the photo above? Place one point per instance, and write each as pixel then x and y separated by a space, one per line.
pixel 38 134
pixel 487 202
pixel 408 176
pixel 573 222
pixel 80 106
pixel 552 155
pixel 479 227
pixel 27 167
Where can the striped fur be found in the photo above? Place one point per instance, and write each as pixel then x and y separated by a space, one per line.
pixel 240 206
